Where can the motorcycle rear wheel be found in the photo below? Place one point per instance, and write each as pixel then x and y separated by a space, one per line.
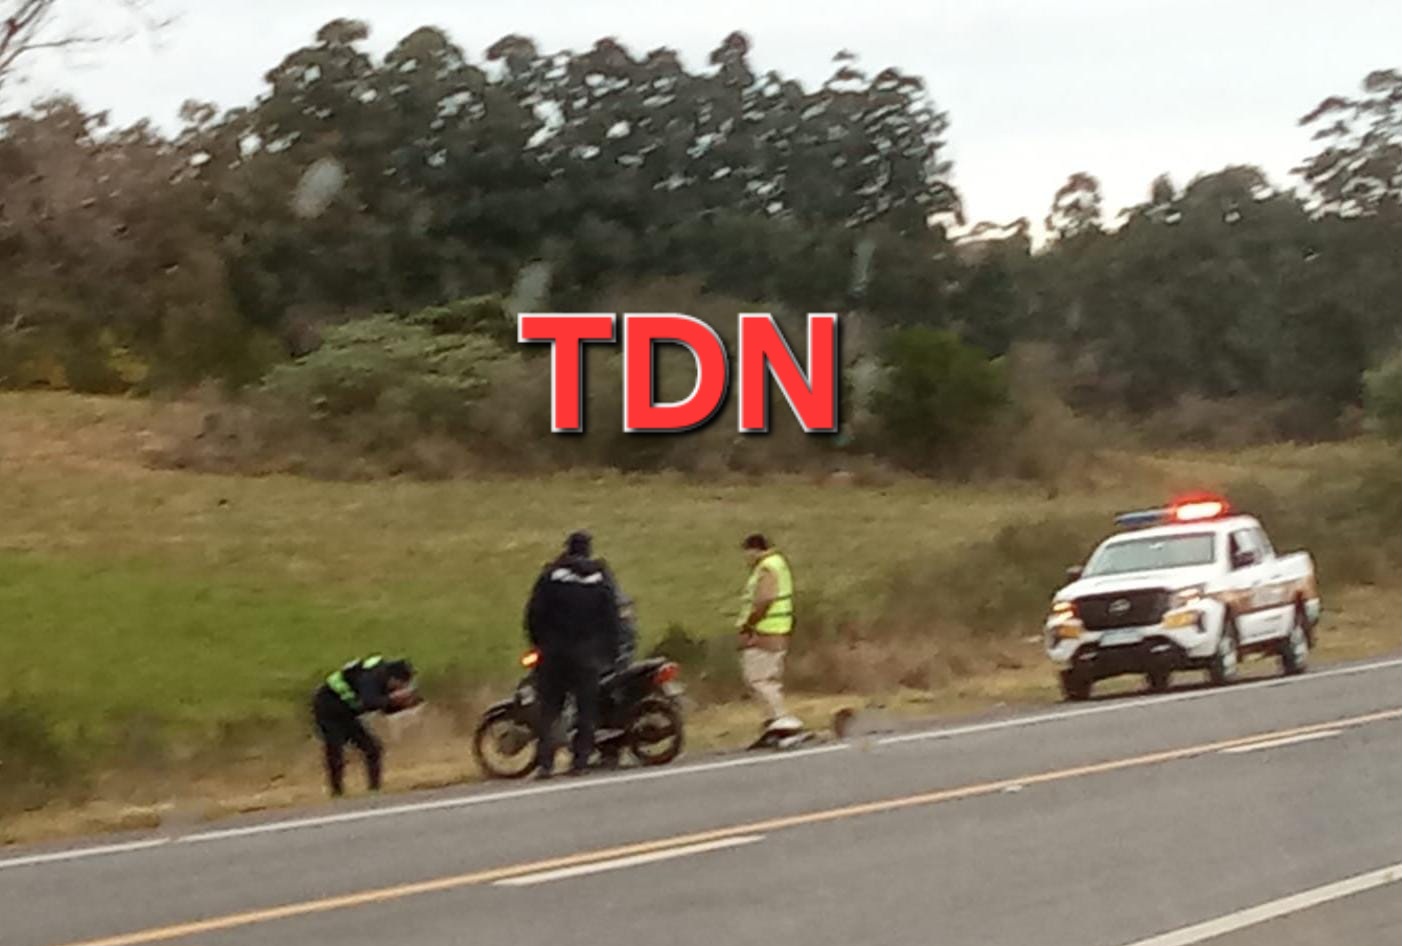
pixel 656 734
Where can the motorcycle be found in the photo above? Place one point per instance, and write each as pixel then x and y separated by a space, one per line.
pixel 639 713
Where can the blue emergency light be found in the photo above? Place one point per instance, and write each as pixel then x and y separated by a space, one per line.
pixel 1188 509
pixel 1141 518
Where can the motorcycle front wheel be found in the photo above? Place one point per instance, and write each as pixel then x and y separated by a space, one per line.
pixel 656 734
pixel 504 745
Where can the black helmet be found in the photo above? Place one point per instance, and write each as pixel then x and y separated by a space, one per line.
pixel 579 543
pixel 399 669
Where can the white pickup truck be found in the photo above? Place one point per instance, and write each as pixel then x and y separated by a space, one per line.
pixel 1192 586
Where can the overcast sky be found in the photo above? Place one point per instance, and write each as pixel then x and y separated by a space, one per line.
pixel 1035 90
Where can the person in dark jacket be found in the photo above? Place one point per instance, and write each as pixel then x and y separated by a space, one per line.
pixel 620 656
pixel 370 685
pixel 572 620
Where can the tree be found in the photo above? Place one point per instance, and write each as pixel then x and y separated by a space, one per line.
pixel 32 26
pixel 987 308
pixel 1227 289
pixel 1077 207
pixel 108 274
pixel 1359 169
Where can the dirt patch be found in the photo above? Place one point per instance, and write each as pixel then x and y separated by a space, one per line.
pixel 67 431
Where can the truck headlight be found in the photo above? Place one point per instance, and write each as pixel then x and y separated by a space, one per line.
pixel 1184 618
pixel 1064 621
pixel 1184 597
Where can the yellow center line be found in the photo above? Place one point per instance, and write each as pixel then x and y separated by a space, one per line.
pixel 475 878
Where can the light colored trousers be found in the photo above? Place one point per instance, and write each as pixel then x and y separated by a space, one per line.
pixel 764 675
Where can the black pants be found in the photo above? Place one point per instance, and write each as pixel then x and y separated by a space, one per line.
pixel 560 676
pixel 337 726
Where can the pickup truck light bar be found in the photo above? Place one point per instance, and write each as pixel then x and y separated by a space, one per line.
pixel 1194 509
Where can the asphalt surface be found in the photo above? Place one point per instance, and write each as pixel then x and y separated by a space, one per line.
pixel 1368 919
pixel 1103 824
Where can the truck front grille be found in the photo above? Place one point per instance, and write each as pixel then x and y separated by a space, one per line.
pixel 1122 609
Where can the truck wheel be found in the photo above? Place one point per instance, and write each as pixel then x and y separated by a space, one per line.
pixel 1159 680
pixel 1295 649
pixel 1222 670
pixel 1075 686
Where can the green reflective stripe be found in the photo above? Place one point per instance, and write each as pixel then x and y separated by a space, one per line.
pixel 338 684
pixel 342 688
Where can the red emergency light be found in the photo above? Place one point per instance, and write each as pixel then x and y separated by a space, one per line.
pixel 530 658
pixel 1199 508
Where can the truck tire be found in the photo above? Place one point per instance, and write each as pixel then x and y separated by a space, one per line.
pixel 1223 668
pixel 1074 686
pixel 1295 647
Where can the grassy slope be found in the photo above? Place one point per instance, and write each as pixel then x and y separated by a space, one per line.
pixel 230 594
pixel 210 602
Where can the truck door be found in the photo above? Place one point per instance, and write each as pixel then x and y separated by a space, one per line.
pixel 1251 603
pixel 1276 587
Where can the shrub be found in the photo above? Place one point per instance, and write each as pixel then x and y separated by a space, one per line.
pixel 1346 518
pixel 1383 396
pixel 34 762
pixel 388 365
pixel 709 665
pixel 936 393
pixel 1234 422
pixel 991 587
pixel 485 316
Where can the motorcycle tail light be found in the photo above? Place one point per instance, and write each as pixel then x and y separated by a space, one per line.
pixel 666 673
pixel 530 658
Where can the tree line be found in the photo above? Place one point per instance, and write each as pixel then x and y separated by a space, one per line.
pixel 417 200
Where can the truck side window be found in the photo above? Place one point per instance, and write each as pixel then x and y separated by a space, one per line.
pixel 1241 544
pixel 1263 544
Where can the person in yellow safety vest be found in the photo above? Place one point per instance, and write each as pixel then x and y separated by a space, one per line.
pixel 765 624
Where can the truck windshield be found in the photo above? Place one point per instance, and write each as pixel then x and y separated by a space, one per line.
pixel 1140 555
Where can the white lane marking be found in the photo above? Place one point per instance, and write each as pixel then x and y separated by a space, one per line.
pixel 617 863
pixel 1276 908
pixel 410 808
pixel 490 797
pixel 82 852
pixel 1277 743
pixel 1132 704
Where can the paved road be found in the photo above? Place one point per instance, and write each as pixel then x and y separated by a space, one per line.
pixel 1115 823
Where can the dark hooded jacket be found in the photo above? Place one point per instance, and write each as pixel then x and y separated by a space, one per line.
pixel 573 613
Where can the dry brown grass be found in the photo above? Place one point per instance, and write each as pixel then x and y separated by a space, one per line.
pixel 291 571
pixel 431 750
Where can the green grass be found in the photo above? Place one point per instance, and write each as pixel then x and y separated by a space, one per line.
pixel 197 604
pixel 146 592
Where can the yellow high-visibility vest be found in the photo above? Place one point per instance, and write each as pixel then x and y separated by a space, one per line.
pixel 779 618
